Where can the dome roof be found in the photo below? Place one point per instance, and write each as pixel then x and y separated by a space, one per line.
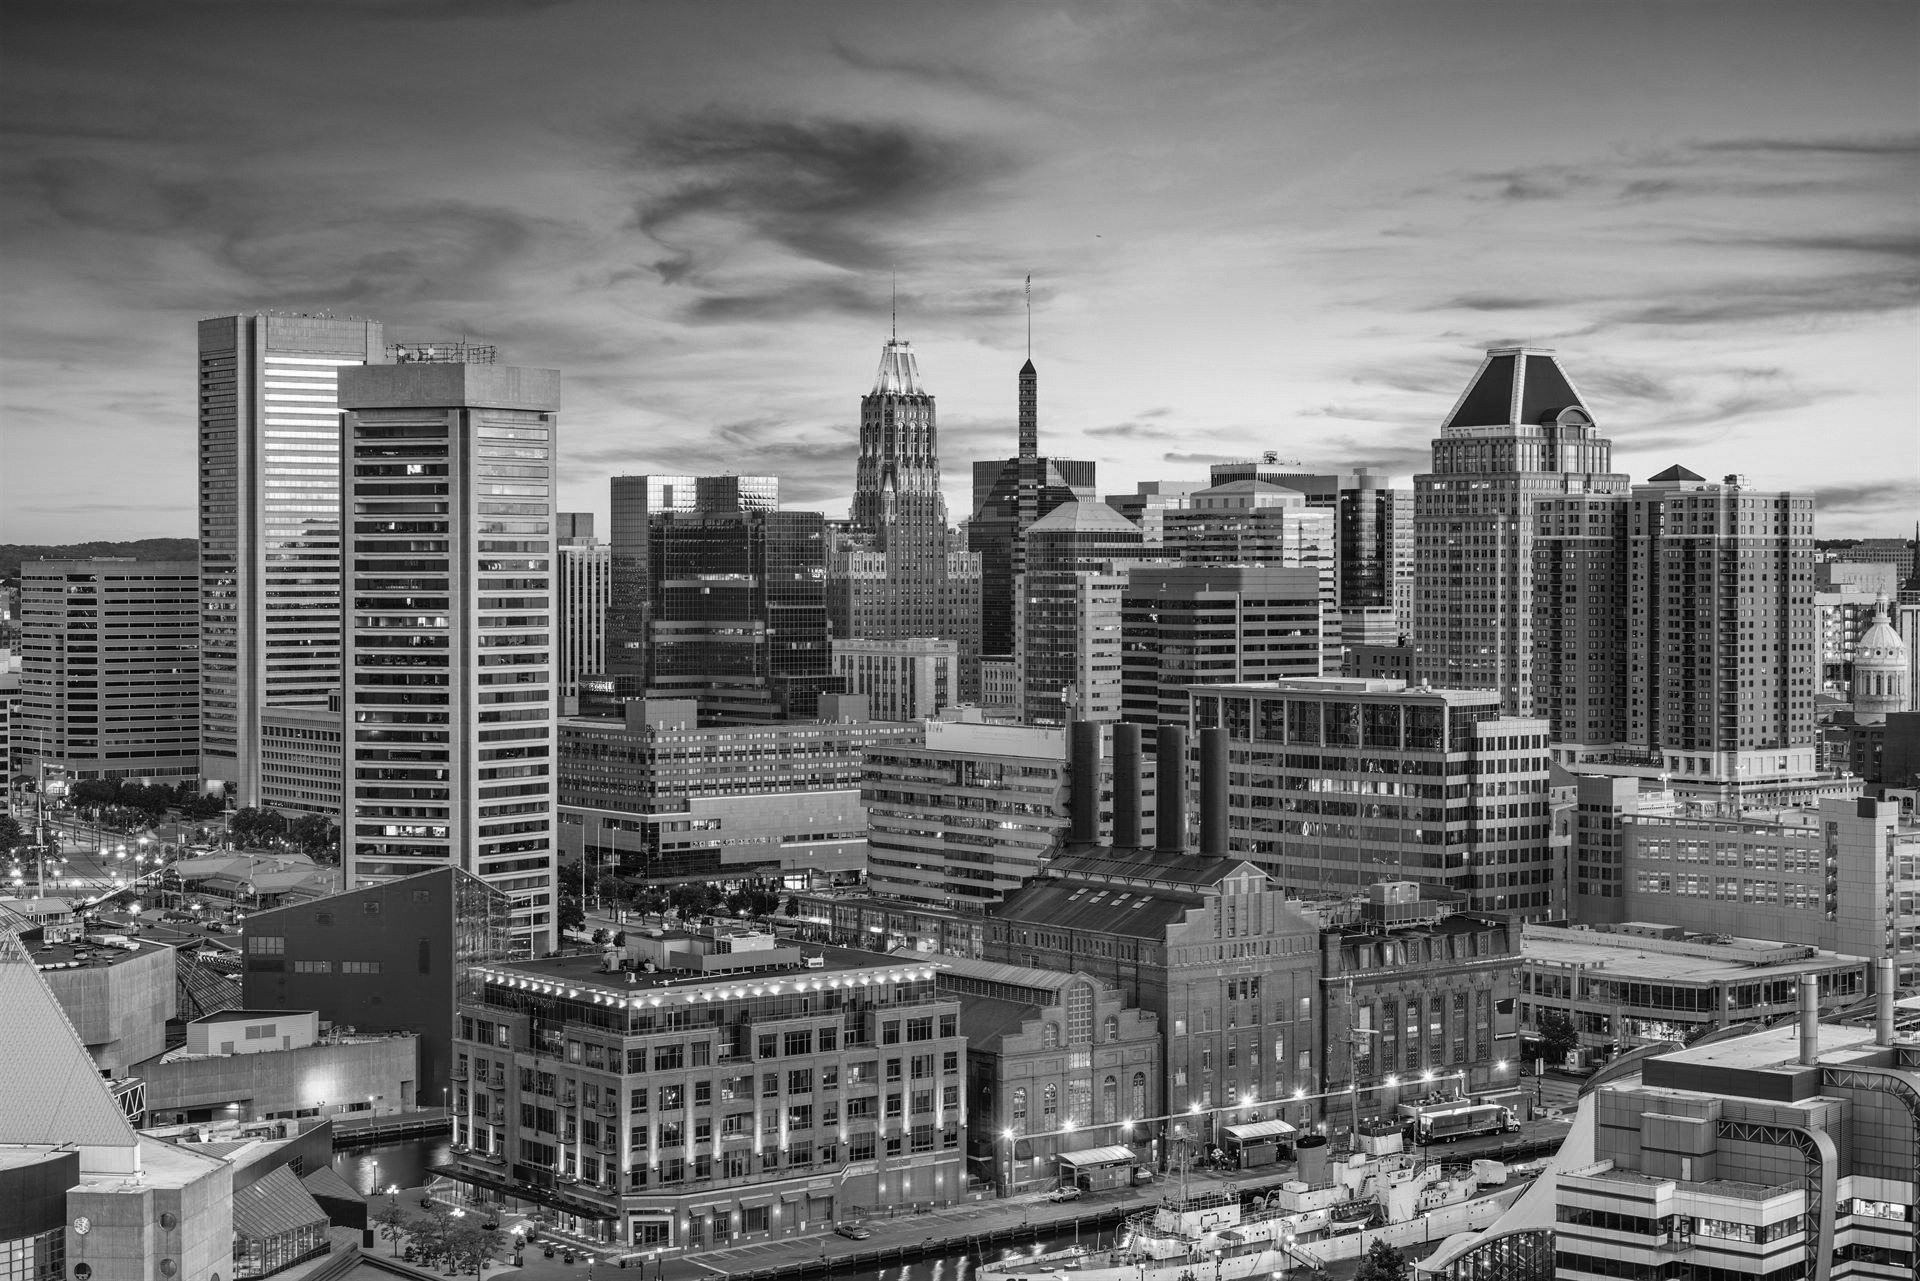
pixel 1880 645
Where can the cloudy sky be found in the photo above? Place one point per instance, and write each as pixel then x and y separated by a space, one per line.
pixel 1250 227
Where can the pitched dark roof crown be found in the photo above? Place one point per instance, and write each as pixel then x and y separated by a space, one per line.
pixel 1676 472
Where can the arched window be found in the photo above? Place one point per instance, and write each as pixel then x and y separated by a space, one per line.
pixel 1050 1108
pixel 1112 1028
pixel 1018 1122
pixel 1140 1094
pixel 1109 1100
pixel 1079 1014
pixel 1050 1036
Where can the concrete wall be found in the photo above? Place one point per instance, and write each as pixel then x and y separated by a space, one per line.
pixel 120 1010
pixel 332 1077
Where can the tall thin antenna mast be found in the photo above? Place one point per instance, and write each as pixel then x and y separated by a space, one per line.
pixel 1029 315
pixel 896 301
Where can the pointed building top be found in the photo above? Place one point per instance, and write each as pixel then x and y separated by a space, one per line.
pixel 1675 472
pixel 1516 386
pixel 1028 367
pixel 899 371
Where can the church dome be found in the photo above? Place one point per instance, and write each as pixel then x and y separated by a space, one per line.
pixel 1880 667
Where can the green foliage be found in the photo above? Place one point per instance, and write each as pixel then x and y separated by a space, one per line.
pixel 1558 1036
pixel 793 905
pixel 1382 1262
pixel 11 833
pixel 391 1219
pixel 572 915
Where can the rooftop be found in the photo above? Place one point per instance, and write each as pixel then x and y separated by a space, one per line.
pixel 1699 965
pixel 1356 686
pixel 89 953
pixel 585 971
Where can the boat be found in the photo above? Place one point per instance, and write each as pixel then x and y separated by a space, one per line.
pixel 1173 1239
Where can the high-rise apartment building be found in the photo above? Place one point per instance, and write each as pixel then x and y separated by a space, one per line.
pixel 1067 643
pixel 1009 495
pixel 1678 622
pixel 269 525
pixel 586 584
pixel 109 678
pixel 1184 625
pixel 1520 433
pixel 1348 782
pixel 451 631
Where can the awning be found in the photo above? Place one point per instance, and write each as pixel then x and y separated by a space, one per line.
pixel 1254 1131
pixel 1098 1156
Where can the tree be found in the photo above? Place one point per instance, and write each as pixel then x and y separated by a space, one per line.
pixel 11 834
pixel 1558 1036
pixel 1382 1262
pixel 392 1221
pixel 572 915
pixel 432 1233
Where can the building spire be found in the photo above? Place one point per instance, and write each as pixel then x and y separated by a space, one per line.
pixel 896 300
pixel 1029 316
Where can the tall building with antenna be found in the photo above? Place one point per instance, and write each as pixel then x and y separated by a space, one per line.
pixel 1009 495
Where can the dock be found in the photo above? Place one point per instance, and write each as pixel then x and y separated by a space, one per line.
pixel 351 1131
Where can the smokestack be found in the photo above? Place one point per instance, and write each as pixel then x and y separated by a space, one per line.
pixel 1170 789
pixel 1809 1019
pixel 1126 787
pixel 1883 1001
pixel 1084 807
pixel 1213 791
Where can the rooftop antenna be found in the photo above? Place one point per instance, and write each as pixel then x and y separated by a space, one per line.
pixel 1029 315
pixel 896 301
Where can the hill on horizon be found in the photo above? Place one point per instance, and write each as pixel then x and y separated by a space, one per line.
pixel 12 554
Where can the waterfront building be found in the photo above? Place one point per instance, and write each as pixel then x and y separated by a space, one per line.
pixel 253 1065
pixel 110 667
pixel 381 959
pixel 586 586
pixel 1638 983
pixel 1351 781
pixel 1063 1076
pixel 1185 625
pixel 909 679
pixel 1009 495
pixel 701 1090
pixel 270 476
pixel 84 1193
pixel 1415 998
pixel 1519 433
pixel 117 993
pixel 450 642
pixel 655 794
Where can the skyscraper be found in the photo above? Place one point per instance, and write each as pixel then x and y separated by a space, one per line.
pixel 1253 522
pixel 109 669
pixel 585 565
pixel 636 500
pixel 1067 611
pixel 894 574
pixel 1008 496
pixel 269 525
pixel 1518 434
pixel 450 638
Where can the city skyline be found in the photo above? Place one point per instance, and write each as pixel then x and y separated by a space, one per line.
pixel 1292 229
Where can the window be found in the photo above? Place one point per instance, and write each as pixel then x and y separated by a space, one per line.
pixel 770 1085
pixel 769 1044
pixel 1018 1120
pixel 829 1038
pixel 1050 1036
pixel 1109 1100
pixel 668 1058
pixel 1139 1094
pixel 950 1062
pixel 1050 1108
pixel 890 1032
pixel 1079 1014
pixel 799 1043
pixel 800 1081
pixel 314 967
pixel 893 1069
pixel 267 944
pixel 1111 1029
pixel 359 967
pixel 920 1029
pixel 639 1099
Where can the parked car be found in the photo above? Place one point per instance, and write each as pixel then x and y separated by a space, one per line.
pixel 853 1231
pixel 1067 1193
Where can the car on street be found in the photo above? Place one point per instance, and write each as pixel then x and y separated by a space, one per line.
pixel 1068 1193
pixel 853 1231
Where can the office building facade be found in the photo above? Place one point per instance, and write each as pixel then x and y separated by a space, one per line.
pixel 902 680
pixel 655 794
pixel 302 757
pixel 1184 625
pixel 269 440
pixel 586 587
pixel 1350 781
pixel 450 639
pixel 1520 433
pixel 110 666
pixel 1067 613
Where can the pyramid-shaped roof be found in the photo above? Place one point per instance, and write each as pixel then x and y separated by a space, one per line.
pixel 1515 386
pixel 899 371
pixel 53 1090
pixel 1082 518
pixel 1675 472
